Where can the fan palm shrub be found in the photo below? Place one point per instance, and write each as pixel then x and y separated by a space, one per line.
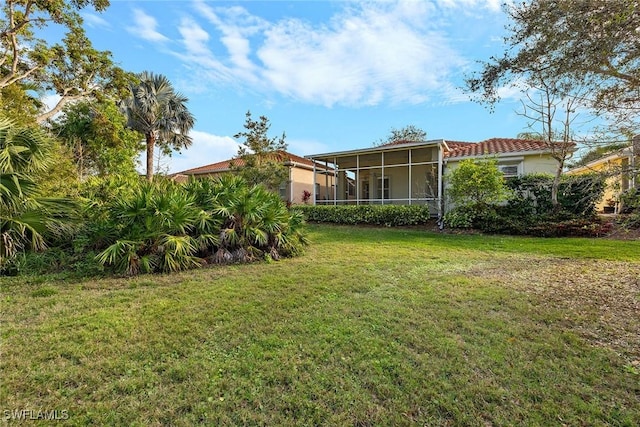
pixel 27 219
pixel 155 230
pixel 255 222
pixel 163 226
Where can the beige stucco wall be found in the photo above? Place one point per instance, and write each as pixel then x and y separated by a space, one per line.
pixel 538 164
pixel 301 179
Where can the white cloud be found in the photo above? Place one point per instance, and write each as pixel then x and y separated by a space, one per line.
pixel 93 20
pixel 365 55
pixel 145 27
pixel 493 5
pixel 207 148
pixel 510 93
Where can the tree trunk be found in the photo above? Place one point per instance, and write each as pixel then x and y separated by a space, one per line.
pixel 635 161
pixel 151 142
pixel 554 191
pixel 556 181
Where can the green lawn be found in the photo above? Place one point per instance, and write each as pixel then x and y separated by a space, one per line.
pixel 369 327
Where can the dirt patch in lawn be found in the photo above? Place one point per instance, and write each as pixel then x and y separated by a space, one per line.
pixel 600 299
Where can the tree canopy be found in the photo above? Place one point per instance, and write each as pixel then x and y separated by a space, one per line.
pixel 97 136
pixel 71 68
pixel 407 133
pixel 594 43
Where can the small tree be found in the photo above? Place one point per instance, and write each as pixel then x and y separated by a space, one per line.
pixel 260 159
pixel 477 183
pixel 553 93
pixel 474 188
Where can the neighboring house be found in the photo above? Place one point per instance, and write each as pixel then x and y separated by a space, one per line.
pixel 410 172
pixel 618 168
pixel 301 176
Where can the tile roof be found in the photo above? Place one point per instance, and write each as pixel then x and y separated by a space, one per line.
pixel 225 165
pixel 486 147
pixel 493 146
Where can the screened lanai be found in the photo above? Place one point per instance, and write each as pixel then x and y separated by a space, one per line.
pixel 400 174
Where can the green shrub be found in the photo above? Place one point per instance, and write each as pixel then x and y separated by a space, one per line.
pixel 577 194
pixel 165 227
pixel 387 215
pixel 460 217
pixel 529 210
pixel 630 201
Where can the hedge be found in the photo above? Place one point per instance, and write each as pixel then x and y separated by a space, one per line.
pixel 387 215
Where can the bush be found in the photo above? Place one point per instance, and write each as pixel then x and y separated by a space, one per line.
pixel 166 227
pixel 387 215
pixel 630 201
pixel 529 210
pixel 577 194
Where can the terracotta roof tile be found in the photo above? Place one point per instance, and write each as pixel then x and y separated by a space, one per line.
pixel 493 146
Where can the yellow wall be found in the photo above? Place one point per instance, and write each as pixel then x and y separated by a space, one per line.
pixel 614 184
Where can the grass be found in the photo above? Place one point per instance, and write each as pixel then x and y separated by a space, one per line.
pixel 370 327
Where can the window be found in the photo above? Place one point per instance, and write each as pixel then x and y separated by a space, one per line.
pixel 509 171
pixel 380 194
pixel 351 188
pixel 365 189
pixel 284 194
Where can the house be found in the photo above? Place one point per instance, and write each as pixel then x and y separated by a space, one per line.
pixel 618 167
pixel 412 172
pixel 300 176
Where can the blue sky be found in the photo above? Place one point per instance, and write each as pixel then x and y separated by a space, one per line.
pixel 333 75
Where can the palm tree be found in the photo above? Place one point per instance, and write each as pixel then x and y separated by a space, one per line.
pixel 157 111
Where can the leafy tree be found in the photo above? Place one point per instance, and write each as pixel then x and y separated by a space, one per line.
pixel 26 217
pixel 157 111
pixel 73 69
pixel 407 133
pixel 593 42
pixel 100 142
pixel 260 159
